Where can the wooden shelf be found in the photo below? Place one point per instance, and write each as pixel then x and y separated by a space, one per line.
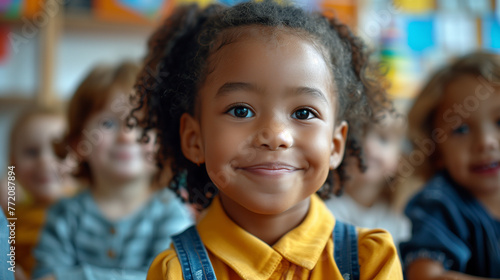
pixel 88 22
pixel 50 35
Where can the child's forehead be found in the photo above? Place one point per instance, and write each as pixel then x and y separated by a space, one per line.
pixel 467 97
pixel 273 36
pixel 40 128
pixel 461 80
pixel 391 127
pixel 466 86
pixel 291 61
pixel 38 121
pixel 116 102
pixel 244 39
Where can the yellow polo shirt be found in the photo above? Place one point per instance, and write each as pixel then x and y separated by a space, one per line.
pixel 306 252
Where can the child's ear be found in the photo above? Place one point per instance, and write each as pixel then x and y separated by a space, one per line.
pixel 338 144
pixel 191 141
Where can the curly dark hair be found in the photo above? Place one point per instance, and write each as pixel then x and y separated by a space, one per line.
pixel 178 60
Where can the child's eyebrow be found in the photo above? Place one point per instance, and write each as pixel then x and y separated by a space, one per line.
pixel 227 88
pixel 313 92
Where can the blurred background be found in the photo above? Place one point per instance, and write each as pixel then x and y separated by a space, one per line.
pixel 46 47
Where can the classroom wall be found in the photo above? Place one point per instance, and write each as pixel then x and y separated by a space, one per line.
pixel 78 51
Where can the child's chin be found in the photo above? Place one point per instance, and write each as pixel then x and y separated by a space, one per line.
pixel 126 174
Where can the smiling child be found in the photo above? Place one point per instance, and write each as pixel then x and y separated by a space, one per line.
pixel 253 101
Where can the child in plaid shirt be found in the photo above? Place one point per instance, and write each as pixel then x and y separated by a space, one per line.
pixel 115 227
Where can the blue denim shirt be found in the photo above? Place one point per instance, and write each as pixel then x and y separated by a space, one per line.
pixel 450 226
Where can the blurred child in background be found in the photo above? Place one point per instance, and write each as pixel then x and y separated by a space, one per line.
pixel 454 125
pixel 367 199
pixel 41 178
pixel 116 227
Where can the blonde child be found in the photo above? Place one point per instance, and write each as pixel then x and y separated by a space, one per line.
pixel 455 126
pixel 41 178
pixel 368 199
pixel 115 227
pixel 253 102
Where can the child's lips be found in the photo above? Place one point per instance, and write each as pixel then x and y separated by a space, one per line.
pixel 270 169
pixel 46 178
pixel 123 155
pixel 486 168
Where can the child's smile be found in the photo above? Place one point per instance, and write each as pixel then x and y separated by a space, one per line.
pixel 267 122
pixel 268 169
pixel 488 167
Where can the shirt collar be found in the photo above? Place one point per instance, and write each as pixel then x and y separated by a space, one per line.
pixel 230 243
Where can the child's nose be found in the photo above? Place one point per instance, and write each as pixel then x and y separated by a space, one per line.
pixel 127 134
pixel 47 160
pixel 275 136
pixel 487 141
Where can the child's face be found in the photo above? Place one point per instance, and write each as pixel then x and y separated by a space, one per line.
pixel 382 147
pixel 471 153
pixel 111 149
pixel 266 128
pixel 37 167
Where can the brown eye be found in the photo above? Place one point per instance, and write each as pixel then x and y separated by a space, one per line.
pixel 463 129
pixel 32 152
pixel 241 112
pixel 108 123
pixel 303 114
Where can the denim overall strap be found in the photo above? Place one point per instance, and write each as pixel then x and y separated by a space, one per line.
pixel 192 255
pixel 345 252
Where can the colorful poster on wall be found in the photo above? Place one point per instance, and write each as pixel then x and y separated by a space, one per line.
pixel 479 7
pixel 344 10
pixel 132 10
pixel 420 33
pixel 10 9
pixel 148 8
pixel 397 61
pixel 456 33
pixel 231 2
pixel 491 33
pixel 309 5
pixel 497 9
pixel 415 7
pixel 200 2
